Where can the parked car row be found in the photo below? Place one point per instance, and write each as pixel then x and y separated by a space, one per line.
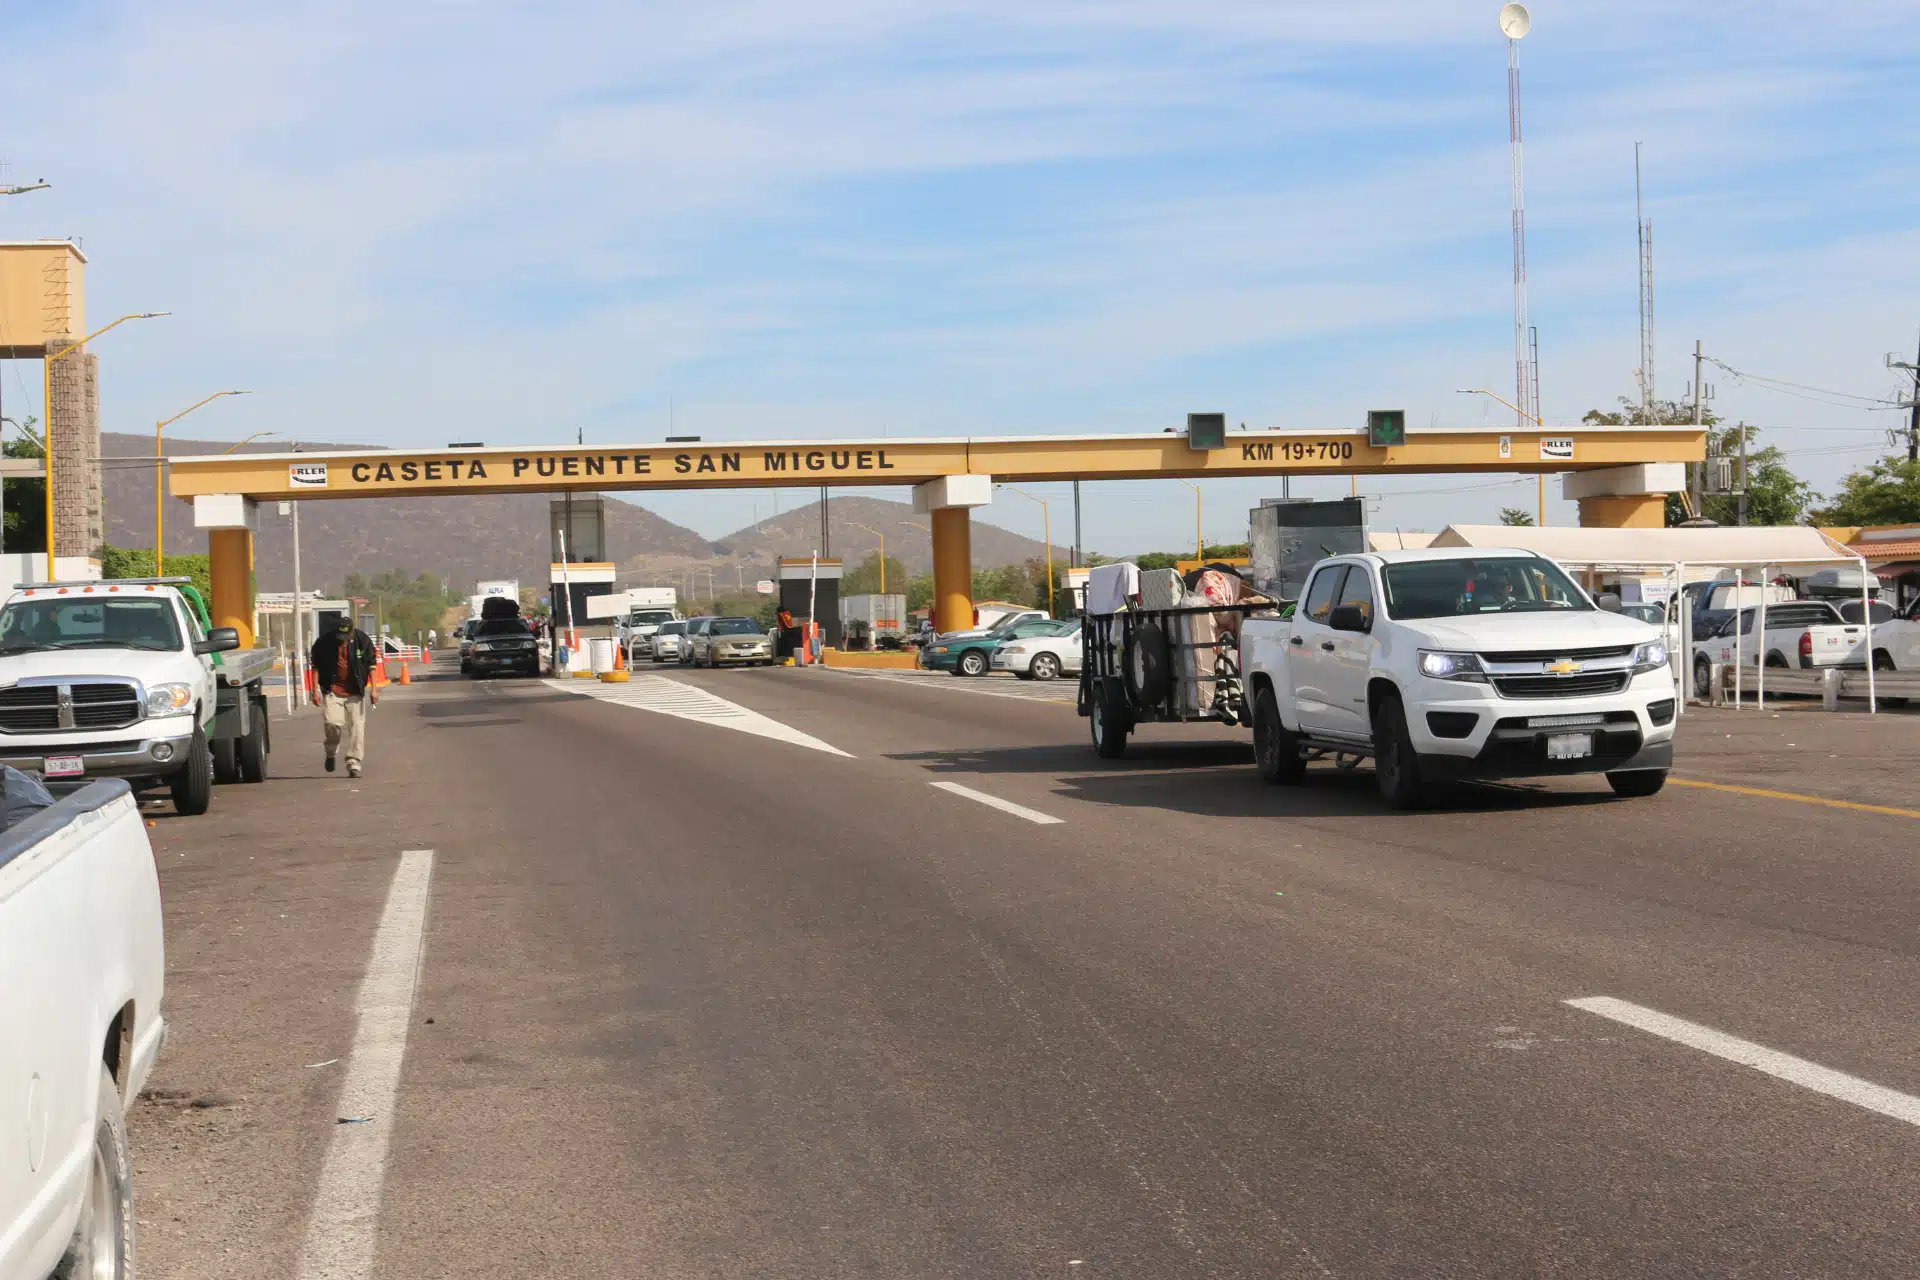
pixel 706 641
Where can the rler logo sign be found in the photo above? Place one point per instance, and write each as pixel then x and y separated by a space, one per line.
pixel 307 475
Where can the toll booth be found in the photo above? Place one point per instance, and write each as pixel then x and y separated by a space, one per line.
pixel 582 568
pixel 808 582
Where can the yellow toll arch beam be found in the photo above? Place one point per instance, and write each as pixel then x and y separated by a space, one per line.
pixel 380 473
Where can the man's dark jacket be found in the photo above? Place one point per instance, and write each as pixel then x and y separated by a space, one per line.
pixel 325 658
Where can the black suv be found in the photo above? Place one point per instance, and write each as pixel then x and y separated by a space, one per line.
pixel 504 644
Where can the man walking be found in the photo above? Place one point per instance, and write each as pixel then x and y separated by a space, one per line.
pixel 343 689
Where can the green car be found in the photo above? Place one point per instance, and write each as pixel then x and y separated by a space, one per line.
pixel 971 653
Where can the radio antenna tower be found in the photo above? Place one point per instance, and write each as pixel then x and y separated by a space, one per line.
pixel 1515 22
pixel 1647 410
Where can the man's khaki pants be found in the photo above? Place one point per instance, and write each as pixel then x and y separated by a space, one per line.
pixel 345 718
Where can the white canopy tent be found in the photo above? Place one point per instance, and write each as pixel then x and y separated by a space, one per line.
pixel 1671 552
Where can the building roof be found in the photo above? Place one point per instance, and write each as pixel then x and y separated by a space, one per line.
pixel 1781 545
pixel 1399 539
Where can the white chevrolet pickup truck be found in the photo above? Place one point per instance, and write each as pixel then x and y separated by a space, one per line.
pixel 1448 664
pixel 125 679
pixel 81 971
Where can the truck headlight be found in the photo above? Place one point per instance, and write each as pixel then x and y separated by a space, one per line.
pixel 1651 656
pixel 169 699
pixel 1442 665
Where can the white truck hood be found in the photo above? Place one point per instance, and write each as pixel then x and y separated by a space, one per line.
pixel 146 666
pixel 1518 632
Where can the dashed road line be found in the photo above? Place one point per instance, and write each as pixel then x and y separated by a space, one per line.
pixel 342 1228
pixel 1781 1066
pixel 686 702
pixel 1005 806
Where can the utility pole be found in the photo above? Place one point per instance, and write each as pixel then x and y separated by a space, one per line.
pixel 1913 409
pixel 1743 474
pixel 298 672
pixel 1079 556
pixel 1699 418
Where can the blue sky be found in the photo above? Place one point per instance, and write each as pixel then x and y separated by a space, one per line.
pixel 510 222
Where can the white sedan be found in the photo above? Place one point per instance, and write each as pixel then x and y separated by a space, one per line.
pixel 1044 657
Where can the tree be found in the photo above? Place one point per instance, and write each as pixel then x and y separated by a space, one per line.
pixel 919 592
pixel 25 527
pixel 1518 517
pixel 864 578
pixel 137 562
pixel 1886 492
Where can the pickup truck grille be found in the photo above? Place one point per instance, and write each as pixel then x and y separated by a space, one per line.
pixel 1554 655
pixel 1560 686
pixel 104 706
pixel 36 708
pixel 30 709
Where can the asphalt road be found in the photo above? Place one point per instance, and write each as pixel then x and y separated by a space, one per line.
pixel 711 992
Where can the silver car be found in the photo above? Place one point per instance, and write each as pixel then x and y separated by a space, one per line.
pixel 690 641
pixel 731 640
pixel 668 641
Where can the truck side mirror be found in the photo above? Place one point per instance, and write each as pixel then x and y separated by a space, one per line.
pixel 219 640
pixel 1348 617
pixel 1608 600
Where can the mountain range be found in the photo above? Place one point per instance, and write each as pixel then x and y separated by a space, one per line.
pixel 506 535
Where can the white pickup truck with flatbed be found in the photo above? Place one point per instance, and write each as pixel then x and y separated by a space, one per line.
pixel 127 679
pixel 82 967
pixel 1805 634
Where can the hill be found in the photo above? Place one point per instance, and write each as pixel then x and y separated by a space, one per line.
pixel 505 535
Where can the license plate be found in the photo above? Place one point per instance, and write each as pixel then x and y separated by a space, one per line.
pixel 65 766
pixel 1569 746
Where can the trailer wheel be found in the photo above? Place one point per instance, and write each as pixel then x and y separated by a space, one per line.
pixel 1276 752
pixel 254 747
pixel 1109 726
pixel 1146 665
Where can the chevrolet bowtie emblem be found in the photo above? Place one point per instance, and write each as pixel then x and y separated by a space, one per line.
pixel 1564 667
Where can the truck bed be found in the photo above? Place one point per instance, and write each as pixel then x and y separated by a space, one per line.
pixel 244 666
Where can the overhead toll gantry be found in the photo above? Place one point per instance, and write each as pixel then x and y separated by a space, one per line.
pixel 1619 475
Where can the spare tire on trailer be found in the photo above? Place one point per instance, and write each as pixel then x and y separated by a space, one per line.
pixel 1147 665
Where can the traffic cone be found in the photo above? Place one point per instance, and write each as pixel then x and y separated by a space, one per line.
pixel 426 656
pixel 406 677
pixel 619 657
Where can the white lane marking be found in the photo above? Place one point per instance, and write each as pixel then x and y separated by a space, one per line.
pixel 341 1230
pixel 1005 806
pixel 1034 692
pixel 671 698
pixel 1782 1066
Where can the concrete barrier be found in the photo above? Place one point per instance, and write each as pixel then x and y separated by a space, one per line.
pixel 882 660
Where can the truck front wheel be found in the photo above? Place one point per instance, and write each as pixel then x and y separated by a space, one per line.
pixel 193 785
pixel 1276 752
pixel 103 1241
pixel 1637 782
pixel 1395 768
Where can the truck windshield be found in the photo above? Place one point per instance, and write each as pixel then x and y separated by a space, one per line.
pixel 649 617
pixel 1495 584
pixel 78 624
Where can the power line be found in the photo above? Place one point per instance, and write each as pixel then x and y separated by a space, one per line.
pixel 1802 391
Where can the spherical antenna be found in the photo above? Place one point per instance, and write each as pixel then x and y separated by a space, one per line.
pixel 1515 21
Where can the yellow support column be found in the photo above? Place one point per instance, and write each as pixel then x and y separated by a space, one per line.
pixel 232 570
pixel 952 569
pixel 228 519
pixel 1625 511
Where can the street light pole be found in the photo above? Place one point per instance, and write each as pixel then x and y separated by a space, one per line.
pixel 46 403
pixel 883 551
pixel 160 479
pixel 1046 525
